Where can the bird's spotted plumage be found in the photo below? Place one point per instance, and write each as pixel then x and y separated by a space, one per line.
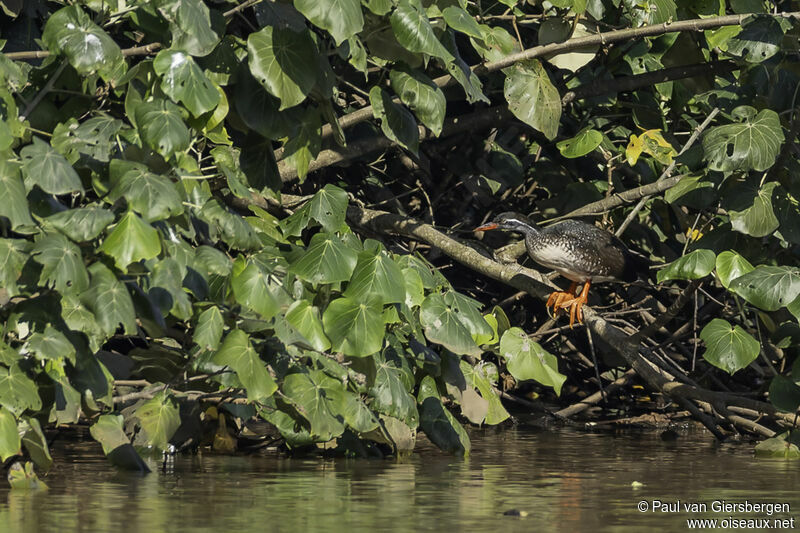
pixel 580 252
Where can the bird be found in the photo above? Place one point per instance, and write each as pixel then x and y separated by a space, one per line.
pixel 580 252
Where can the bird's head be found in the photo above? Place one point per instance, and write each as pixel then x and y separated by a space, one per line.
pixel 509 221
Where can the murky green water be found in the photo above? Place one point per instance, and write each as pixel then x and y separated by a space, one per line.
pixel 565 480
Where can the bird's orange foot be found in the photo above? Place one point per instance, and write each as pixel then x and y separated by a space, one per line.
pixel 575 305
pixel 557 299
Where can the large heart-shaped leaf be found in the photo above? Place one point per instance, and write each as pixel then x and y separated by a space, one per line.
pixel 190 24
pixel 768 287
pixel 728 347
pixel 237 353
pixel 51 344
pixel 305 318
pixel 443 326
pixel 183 81
pixel 284 62
pixel 312 402
pixel 17 391
pixel 208 332
pixel 154 197
pixel 526 359
pixel 461 21
pixel 750 208
pixel 730 266
pixel 251 288
pixel 342 18
pixel 421 95
pixel 483 377
pixel 440 426
pixel 414 31
pixel 131 240
pixel 83 223
pixel 109 300
pixel 354 327
pixel 109 432
pixel 390 390
pixel 377 277
pixel 694 265
pixel 9 437
pixel 48 169
pixel 15 203
pixel 326 260
pixel 751 144
pixel 532 97
pixel 161 126
pixel 62 263
pixel 328 207
pixel 759 39
pixel 397 122
pixel 160 419
pixel 88 47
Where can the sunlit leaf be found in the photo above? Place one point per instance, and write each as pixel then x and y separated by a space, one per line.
pixel 768 287
pixel 48 169
pixel 184 82
pixel 750 209
pixel 532 97
pixel 342 18
pixel 86 45
pixel 751 144
pixel 17 391
pixel 109 433
pixel 730 265
pixel 305 318
pixel 728 347
pixel 131 240
pixel 326 260
pixel 109 301
pixel 583 143
pixel 251 287
pixel 51 344
pixel 443 326
pixel 311 400
pixel 155 197
pixel 162 127
pixel 421 95
pixel 83 223
pixel 9 437
pixel 694 265
pixel 354 327
pixel 759 39
pixel 190 24
pixel 414 31
pixel 159 418
pixel 377 277
pixel 237 353
pixel 208 332
pixel 526 359
pixel 284 62
pixel 62 263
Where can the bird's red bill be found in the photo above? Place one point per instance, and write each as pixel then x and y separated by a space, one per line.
pixel 486 227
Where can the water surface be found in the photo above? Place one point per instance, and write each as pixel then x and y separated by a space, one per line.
pixel 565 480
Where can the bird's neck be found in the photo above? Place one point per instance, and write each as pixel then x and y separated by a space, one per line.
pixel 527 228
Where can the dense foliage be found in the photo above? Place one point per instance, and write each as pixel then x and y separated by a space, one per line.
pixel 140 296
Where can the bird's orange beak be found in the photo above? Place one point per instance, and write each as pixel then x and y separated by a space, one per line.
pixel 486 227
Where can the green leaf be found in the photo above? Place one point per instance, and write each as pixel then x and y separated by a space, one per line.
pixel 526 359
pixel 442 326
pixel 87 47
pixel 376 277
pixel 9 437
pixel 730 265
pixel 784 394
pixel 421 95
pixel 532 98
pixel 583 143
pixel 208 332
pixel 461 21
pixel 329 207
pixel 390 391
pixel 17 391
pixel 237 353
pixel 131 240
pixel 759 39
pixel 751 144
pixel 304 317
pixel 463 74
pixel 96 139
pixel 728 347
pixel 478 377
pixel 397 122
pixel 284 62
pixel 159 418
pixel 109 433
pixel 414 31
pixel 36 444
pixel 81 224
pixel 109 300
pixel 750 209
pixel 342 18
pixel 694 265
pixel 311 400
pixel 13 255
pixel 154 197
pixel 190 24
pixel 354 327
pixel 692 191
pixel 251 288
pixel 48 169
pixel 62 263
pixel 162 127
pixel 303 146
pixel 777 447
pixel 15 202
pixel 52 344
pixel 327 260
pixel 468 313
pixel 415 290
pixel 184 81
pixel 442 428
pixel 496 43
pixel 166 288
pixel 768 287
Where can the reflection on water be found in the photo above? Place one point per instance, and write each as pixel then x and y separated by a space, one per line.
pixel 565 480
